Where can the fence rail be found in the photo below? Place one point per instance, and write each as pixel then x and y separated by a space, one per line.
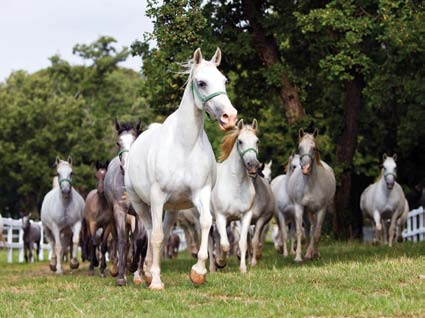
pixel 415 228
pixel 14 235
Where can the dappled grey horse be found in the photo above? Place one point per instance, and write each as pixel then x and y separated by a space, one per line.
pixel 62 211
pixel 284 209
pixel 32 235
pixel 312 190
pixel 117 199
pixel 384 200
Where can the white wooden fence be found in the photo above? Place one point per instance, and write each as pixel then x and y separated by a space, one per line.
pixel 14 236
pixel 415 228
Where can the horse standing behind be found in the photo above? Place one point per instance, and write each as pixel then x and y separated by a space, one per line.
pixel 62 210
pixel 172 165
pixel 284 209
pixel 116 196
pixel 98 215
pixel 262 211
pixel 311 189
pixel 32 234
pixel 234 192
pixel 384 200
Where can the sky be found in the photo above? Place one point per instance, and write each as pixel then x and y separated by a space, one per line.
pixel 31 31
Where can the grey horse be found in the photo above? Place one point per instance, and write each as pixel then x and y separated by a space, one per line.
pixel 312 190
pixel 117 199
pixel 384 200
pixel 62 211
pixel 32 234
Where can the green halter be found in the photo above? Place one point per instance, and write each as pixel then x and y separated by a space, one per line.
pixel 121 152
pixel 203 99
pixel 65 180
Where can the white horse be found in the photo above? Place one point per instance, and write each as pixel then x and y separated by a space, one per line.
pixel 62 211
pixel 311 189
pixel 233 195
pixel 172 165
pixel 284 209
pixel 384 200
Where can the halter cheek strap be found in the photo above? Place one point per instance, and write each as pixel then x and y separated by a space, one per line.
pixel 243 153
pixel 122 151
pixel 204 99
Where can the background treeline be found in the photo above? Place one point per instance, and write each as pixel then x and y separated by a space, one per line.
pixel 353 69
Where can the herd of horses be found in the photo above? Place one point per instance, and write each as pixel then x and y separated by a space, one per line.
pixel 168 173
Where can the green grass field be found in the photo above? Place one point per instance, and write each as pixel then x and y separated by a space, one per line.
pixel 350 280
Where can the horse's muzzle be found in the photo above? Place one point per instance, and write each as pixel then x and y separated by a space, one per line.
pixel 306 169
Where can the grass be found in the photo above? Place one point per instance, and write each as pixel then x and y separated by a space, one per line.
pixel 350 280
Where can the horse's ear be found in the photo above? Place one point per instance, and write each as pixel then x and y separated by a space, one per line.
pixel 139 126
pixel 300 133
pixel 395 157
pixel 216 59
pixel 240 124
pixel 384 157
pixel 270 164
pixel 69 160
pixel 197 56
pixel 117 124
pixel 254 124
pixel 315 132
pixel 29 215
pixel 58 159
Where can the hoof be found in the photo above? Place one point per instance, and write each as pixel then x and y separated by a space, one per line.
pixel 148 280
pixel 96 263
pixel 195 255
pixel 91 272
pixel 52 267
pixel 137 281
pixel 114 271
pixel 197 279
pixel 298 260
pixel 74 264
pixel 102 275
pixel 121 282
pixel 156 286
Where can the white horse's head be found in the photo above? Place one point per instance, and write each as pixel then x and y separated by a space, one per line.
pixel 307 150
pixel 247 146
pixel 293 163
pixel 127 134
pixel 267 171
pixel 64 173
pixel 389 170
pixel 26 221
pixel 209 90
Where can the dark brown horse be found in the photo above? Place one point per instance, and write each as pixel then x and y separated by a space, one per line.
pixel 118 202
pixel 98 215
pixel 32 234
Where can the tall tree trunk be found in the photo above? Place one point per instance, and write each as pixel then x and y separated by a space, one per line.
pixel 346 223
pixel 269 53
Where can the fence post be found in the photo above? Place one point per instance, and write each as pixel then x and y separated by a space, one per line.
pixel 21 244
pixel 9 243
pixel 41 253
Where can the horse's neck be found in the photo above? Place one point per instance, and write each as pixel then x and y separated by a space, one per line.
pixel 383 187
pixel 190 120
pixel 236 169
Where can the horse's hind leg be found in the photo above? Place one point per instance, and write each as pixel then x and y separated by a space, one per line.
pixel 392 229
pixel 104 248
pixel 378 226
pixel 120 224
pixel 256 241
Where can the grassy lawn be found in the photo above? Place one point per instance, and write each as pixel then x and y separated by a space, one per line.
pixel 350 279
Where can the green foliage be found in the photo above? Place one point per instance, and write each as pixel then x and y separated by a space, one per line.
pixel 64 110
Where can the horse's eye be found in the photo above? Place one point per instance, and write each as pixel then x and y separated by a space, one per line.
pixel 240 142
pixel 202 84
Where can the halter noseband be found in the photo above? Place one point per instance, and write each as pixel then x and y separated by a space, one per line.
pixel 390 174
pixel 65 180
pixel 121 152
pixel 243 153
pixel 204 99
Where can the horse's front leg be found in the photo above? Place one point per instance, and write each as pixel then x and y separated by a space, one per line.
pixel 392 229
pixel 256 241
pixel 221 223
pixel 58 249
pixel 158 198
pixel 76 228
pixel 299 210
pixel 120 224
pixel 51 240
pixel 202 202
pixel 243 241
pixel 378 226
pixel 315 235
